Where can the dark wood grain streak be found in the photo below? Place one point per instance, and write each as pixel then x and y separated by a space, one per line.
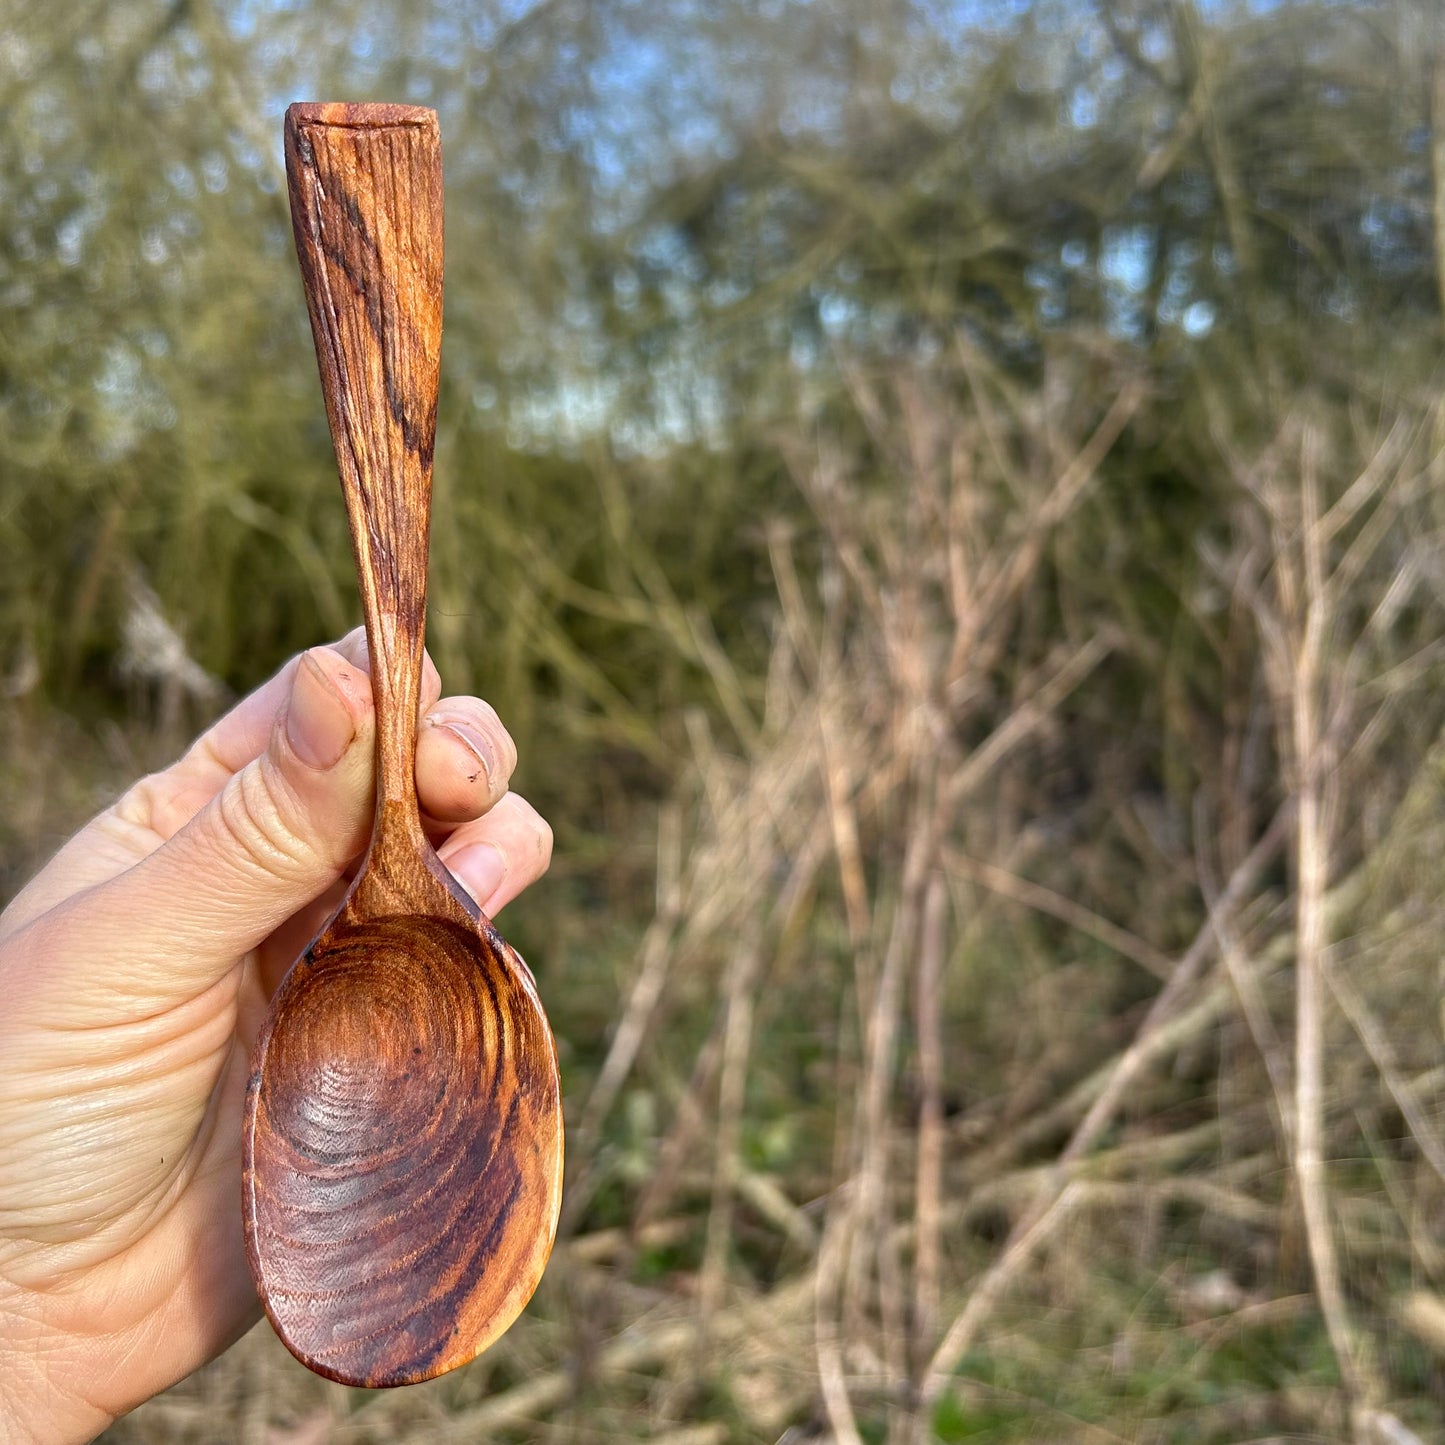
pixel 402 1147
pixel 366 208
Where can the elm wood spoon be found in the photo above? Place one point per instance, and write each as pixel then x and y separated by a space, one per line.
pixel 402 1145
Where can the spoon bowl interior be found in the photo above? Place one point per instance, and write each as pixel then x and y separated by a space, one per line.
pixel 404 1140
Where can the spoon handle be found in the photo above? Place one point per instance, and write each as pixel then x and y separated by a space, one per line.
pixel 366 205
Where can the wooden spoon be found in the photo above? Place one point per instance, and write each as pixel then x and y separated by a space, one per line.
pixel 402 1146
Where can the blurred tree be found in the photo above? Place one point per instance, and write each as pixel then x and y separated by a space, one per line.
pixel 664 220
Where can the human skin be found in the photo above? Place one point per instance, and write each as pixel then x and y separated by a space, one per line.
pixel 135 971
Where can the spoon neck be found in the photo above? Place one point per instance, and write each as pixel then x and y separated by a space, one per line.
pixel 400 874
pixel 394 636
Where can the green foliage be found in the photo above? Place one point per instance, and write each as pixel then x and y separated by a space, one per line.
pixel 823 382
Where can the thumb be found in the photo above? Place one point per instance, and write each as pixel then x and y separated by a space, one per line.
pixel 276 836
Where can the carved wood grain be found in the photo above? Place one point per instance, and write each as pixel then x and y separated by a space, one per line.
pixel 402 1148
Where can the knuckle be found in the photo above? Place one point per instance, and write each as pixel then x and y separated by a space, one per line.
pixel 137 805
pixel 256 819
pixel 151 805
pixel 355 649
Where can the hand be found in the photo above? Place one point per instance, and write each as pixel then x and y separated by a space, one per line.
pixel 135 971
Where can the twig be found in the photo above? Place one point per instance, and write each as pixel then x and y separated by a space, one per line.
pixel 657 954
pixel 1314 788
pixel 1251 1000
pixel 870 1234
pixel 1022 563
pixel 1423 1314
pixel 1066 910
pixel 1054 1190
pixel 844 824
pixel 1026 717
pixel 737 1045
pixel 1164 1040
pixel 763 1194
pixel 1382 1055
pixel 989 1290
pixel 927 1253
pixel 601 1245
pixel 1186 971
pixel 827 1308
pixel 642 1345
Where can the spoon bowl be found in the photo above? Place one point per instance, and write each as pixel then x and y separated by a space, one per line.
pixel 402 1143
pixel 400 1136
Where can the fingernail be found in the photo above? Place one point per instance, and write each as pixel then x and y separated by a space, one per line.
pixel 479 868
pixel 319 725
pixel 476 742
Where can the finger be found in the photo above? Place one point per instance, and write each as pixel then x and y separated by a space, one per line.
pixel 157 807
pixel 464 758
pixel 497 856
pixel 355 649
pixel 283 947
pixel 165 802
pixel 168 801
pixel 275 837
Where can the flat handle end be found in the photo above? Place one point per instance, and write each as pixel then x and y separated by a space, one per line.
pixel 348 115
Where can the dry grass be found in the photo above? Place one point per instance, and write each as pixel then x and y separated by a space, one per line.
pixel 963 1084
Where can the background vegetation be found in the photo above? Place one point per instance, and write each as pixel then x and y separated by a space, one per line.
pixel 947 494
